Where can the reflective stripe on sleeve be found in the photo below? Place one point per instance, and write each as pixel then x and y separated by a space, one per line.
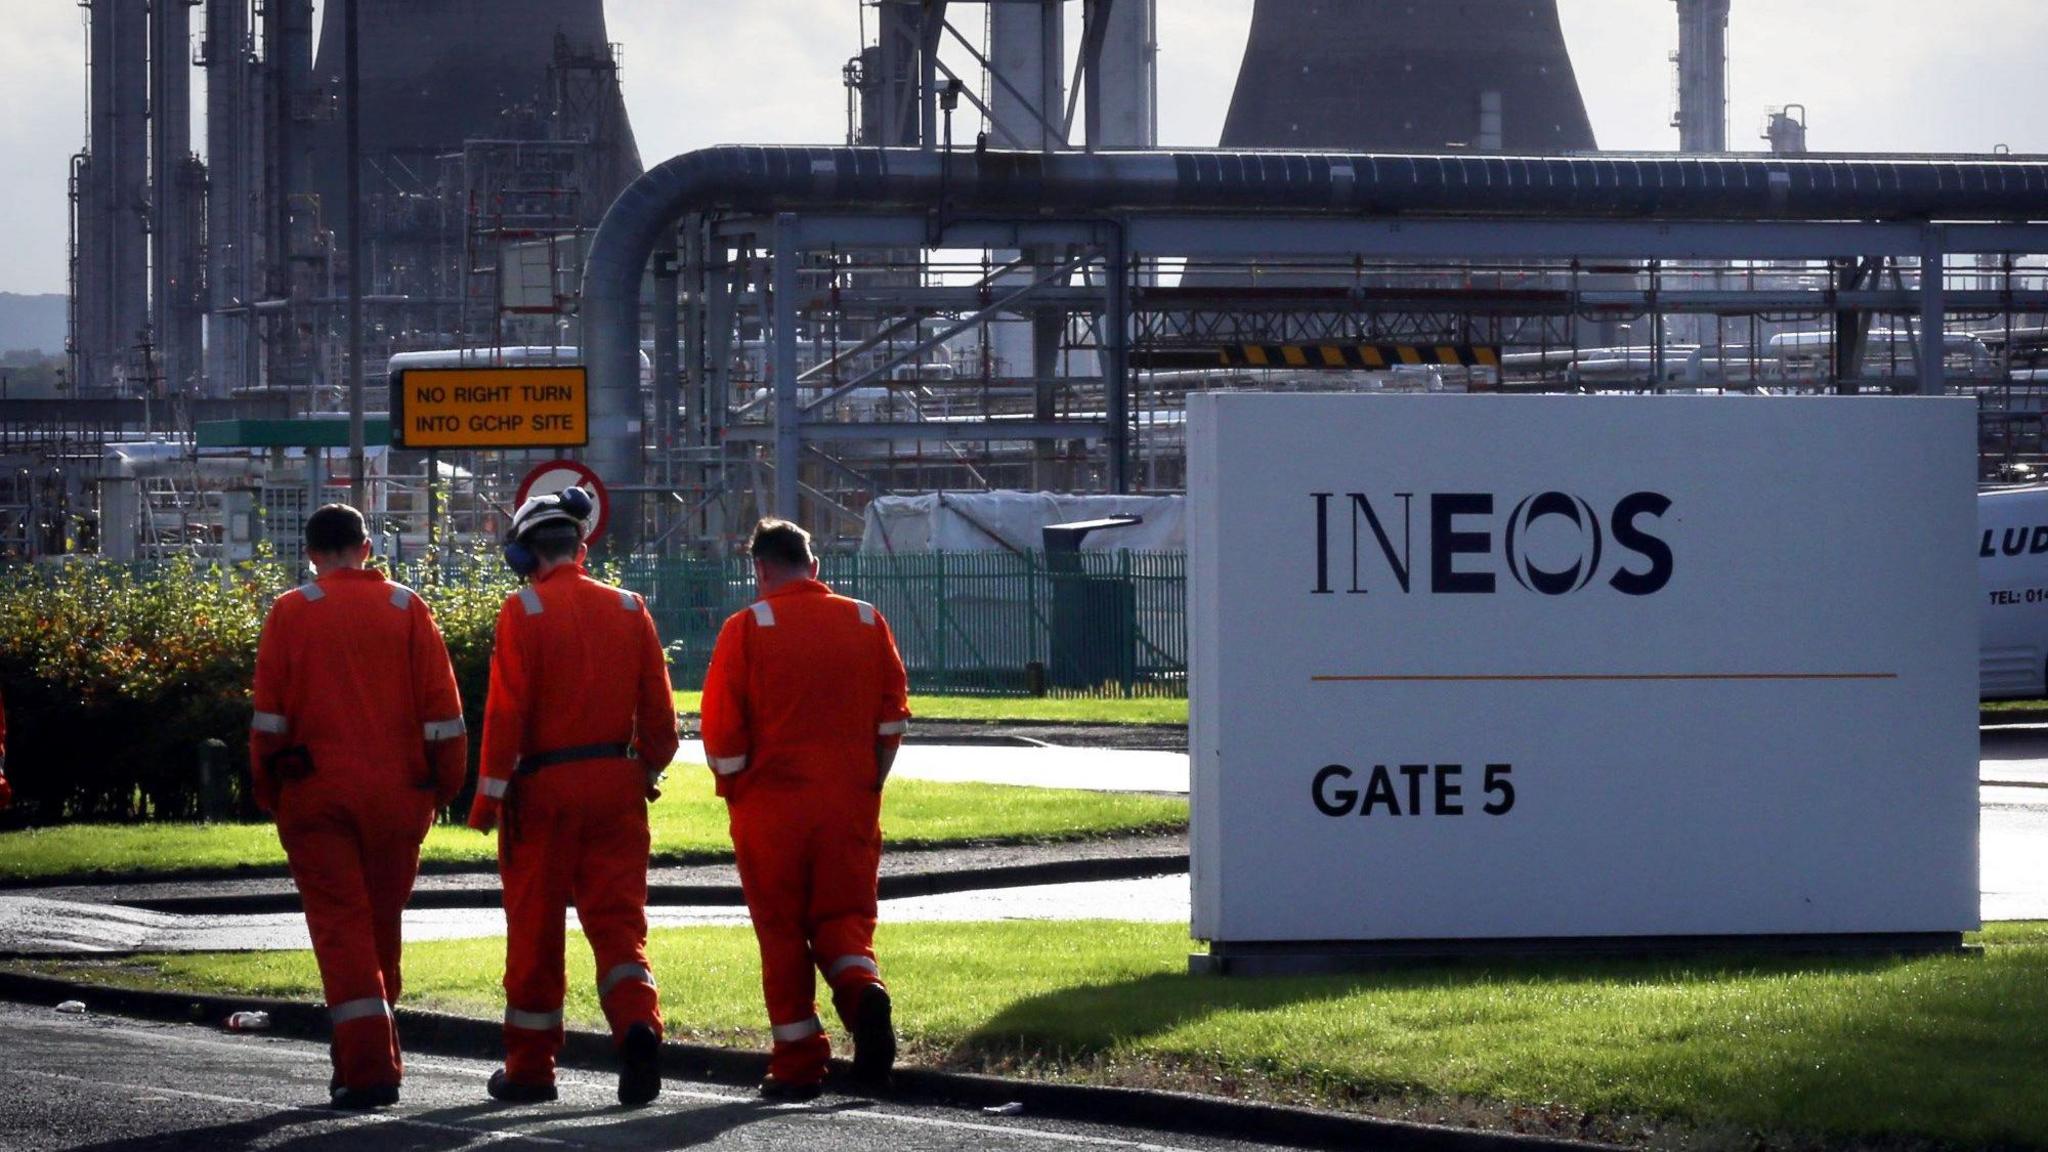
pixel 621 975
pixel 801 1030
pixel 533 1021
pixel 728 765
pixel 444 729
pixel 764 614
pixel 492 787
pixel 892 728
pixel 312 591
pixel 270 723
pixel 349 1010
pixel 845 962
pixel 401 597
pixel 530 600
pixel 628 601
pixel 867 612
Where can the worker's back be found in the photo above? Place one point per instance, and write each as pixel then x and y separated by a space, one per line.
pixel 578 665
pixel 348 665
pixel 814 680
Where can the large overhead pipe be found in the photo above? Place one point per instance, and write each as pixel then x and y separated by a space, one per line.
pixel 797 179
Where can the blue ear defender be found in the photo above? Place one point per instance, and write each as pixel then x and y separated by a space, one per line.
pixel 520 559
pixel 576 502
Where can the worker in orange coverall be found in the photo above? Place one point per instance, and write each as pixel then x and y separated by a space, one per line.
pixel 357 739
pixel 6 789
pixel 804 709
pixel 579 726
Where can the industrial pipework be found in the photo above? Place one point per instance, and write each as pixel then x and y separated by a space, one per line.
pixel 874 180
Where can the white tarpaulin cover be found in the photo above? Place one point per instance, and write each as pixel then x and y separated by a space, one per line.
pixel 1006 521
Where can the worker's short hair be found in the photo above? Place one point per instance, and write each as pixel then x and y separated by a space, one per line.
pixel 335 529
pixel 554 541
pixel 781 544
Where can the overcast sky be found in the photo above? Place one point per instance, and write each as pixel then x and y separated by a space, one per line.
pixel 1875 75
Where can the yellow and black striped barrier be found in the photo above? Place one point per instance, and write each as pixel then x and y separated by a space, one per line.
pixel 1371 357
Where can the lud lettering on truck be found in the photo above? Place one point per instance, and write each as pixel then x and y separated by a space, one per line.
pixel 2021 541
pixel 1463 531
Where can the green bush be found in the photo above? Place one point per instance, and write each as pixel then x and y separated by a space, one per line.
pixel 116 677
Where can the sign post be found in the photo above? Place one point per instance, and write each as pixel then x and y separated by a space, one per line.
pixel 1486 672
pixel 501 408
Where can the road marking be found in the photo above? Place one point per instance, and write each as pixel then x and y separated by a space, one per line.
pixel 302 1052
pixel 1012 1131
pixel 353 1120
pixel 1611 678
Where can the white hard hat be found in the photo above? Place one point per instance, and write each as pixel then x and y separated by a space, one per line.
pixel 569 506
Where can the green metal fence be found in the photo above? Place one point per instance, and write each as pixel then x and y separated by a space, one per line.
pixel 992 624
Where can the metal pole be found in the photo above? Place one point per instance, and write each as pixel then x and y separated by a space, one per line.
pixel 351 109
pixel 1933 313
pixel 1117 364
pixel 789 414
pixel 667 366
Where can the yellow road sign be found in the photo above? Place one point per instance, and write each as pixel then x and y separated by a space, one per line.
pixel 490 408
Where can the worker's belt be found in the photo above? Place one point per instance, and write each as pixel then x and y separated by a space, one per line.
pixel 528 765
pixel 290 764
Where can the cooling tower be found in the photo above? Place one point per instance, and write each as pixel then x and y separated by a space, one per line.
pixel 438 73
pixel 1408 76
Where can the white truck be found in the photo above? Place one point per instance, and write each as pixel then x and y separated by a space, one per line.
pixel 2012 585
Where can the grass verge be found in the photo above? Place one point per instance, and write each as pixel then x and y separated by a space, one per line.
pixel 1025 709
pixel 1748 1053
pixel 2012 705
pixel 689 825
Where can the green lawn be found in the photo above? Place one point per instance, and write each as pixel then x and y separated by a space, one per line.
pixel 1051 710
pixel 689 824
pixel 2012 705
pixel 1950 1051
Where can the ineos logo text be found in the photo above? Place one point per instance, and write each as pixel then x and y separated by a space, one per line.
pixel 1461 530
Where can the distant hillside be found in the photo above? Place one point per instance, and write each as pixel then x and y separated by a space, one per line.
pixel 32 322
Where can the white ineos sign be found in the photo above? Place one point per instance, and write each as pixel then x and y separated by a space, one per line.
pixel 1518 667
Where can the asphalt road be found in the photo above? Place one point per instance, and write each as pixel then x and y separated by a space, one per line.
pixel 82 1082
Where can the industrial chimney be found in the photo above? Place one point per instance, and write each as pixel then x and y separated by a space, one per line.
pixel 1406 76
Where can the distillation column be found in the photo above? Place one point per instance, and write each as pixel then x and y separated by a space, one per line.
pixel 178 199
pixel 1702 119
pixel 111 283
pixel 231 150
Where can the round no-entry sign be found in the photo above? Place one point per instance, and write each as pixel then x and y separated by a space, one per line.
pixel 557 475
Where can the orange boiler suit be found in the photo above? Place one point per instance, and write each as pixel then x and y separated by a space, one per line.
pixel 579 723
pixel 353 680
pixel 804 686
pixel 6 789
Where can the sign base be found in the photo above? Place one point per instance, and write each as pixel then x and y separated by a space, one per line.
pixel 1332 957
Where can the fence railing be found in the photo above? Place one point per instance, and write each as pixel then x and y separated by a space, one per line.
pixel 994 624
pixel 967 623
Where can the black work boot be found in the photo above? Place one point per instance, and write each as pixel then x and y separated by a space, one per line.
pixel 362 1099
pixel 503 1087
pixel 639 1066
pixel 874 1039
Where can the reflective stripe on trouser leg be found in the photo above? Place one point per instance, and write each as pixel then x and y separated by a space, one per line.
pixel 844 963
pixel 620 975
pixel 361 1009
pixel 800 1053
pixel 801 1030
pixel 533 1021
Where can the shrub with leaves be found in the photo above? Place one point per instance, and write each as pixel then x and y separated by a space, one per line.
pixel 116 677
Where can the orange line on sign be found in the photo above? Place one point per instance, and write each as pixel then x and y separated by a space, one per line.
pixel 1664 677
